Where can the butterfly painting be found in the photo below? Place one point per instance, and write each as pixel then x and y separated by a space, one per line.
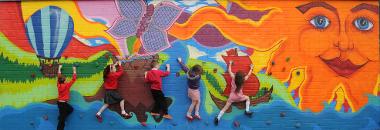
pixel 149 23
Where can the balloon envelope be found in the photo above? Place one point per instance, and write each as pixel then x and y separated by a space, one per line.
pixel 49 31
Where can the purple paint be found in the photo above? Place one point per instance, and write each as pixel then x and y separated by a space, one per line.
pixel 183 17
pixel 236 10
pixel 171 38
pixel 210 36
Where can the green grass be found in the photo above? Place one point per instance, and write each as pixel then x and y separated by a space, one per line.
pixel 278 88
pixel 16 71
pixel 130 43
pixel 18 65
pixel 19 94
pixel 14 53
pixel 163 57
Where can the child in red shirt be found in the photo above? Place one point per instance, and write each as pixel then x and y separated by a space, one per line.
pixel 154 78
pixel 64 107
pixel 110 77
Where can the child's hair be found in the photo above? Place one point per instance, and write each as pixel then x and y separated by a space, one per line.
pixel 61 79
pixel 154 63
pixel 239 80
pixel 197 69
pixel 106 71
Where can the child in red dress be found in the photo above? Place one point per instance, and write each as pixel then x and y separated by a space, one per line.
pixel 111 96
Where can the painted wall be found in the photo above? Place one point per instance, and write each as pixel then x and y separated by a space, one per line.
pixel 316 63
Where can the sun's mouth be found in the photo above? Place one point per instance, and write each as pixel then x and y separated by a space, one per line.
pixel 342 68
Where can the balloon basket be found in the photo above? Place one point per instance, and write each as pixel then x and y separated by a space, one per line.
pixel 49 66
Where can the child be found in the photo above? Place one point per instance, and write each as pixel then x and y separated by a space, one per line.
pixel 236 94
pixel 153 77
pixel 64 107
pixel 193 79
pixel 111 96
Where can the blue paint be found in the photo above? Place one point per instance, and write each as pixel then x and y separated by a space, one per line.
pixel 367 118
pixel 97 41
pixel 100 20
pixel 50 31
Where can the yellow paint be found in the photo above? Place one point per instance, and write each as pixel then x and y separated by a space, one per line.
pixel 261 58
pixel 349 101
pixel 223 3
pixel 377 89
pixel 249 7
pixel 82 27
pixel 341 97
pixel 339 93
pixel 299 92
pixel 296 80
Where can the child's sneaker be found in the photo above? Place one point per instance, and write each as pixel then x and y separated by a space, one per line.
pixel 144 124
pixel 167 116
pixel 189 118
pixel 198 117
pixel 216 121
pixel 126 115
pixel 100 119
pixel 248 113
pixel 154 114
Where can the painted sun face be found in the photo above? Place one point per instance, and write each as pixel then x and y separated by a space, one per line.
pixel 341 45
pixel 345 39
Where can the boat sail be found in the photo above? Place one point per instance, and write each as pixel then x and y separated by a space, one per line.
pixel 240 63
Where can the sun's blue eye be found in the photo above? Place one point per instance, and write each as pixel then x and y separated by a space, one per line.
pixel 320 22
pixel 363 24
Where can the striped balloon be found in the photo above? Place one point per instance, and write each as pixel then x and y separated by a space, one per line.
pixel 49 31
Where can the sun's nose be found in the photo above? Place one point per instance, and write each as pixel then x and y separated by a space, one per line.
pixel 343 41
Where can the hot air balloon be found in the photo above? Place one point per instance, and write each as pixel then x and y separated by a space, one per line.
pixel 49 32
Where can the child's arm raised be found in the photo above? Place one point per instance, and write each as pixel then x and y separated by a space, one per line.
pixel 74 76
pixel 183 66
pixel 146 77
pixel 249 73
pixel 167 72
pixel 230 70
pixel 120 69
pixel 59 70
pixel 59 73
pixel 168 67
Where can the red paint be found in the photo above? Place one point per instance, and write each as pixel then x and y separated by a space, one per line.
pixel 296 93
pixel 249 51
pixel 342 68
pixel 241 63
pixel 346 105
pixel 79 50
pixel 12 25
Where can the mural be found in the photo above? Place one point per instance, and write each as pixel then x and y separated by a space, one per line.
pixel 49 31
pixel 316 63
